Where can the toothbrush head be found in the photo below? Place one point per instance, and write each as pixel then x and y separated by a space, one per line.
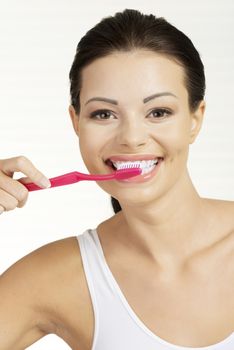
pixel 126 173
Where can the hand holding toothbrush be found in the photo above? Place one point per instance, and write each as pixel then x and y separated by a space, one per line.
pixel 14 193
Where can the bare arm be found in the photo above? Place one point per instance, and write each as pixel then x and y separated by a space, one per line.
pixel 22 320
pixel 23 317
pixel 39 291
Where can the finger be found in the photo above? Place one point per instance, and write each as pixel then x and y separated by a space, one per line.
pixel 24 165
pixel 7 201
pixel 22 203
pixel 24 180
pixel 1 209
pixel 13 188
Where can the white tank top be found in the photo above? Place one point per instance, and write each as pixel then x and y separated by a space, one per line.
pixel 117 327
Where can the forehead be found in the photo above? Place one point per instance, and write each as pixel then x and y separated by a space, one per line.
pixel 137 72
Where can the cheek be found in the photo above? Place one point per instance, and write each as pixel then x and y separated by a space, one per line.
pixel 90 146
pixel 176 144
pixel 87 146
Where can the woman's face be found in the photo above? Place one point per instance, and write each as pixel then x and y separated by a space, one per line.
pixel 161 127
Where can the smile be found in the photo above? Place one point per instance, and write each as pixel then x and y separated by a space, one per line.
pixel 146 165
pixel 149 168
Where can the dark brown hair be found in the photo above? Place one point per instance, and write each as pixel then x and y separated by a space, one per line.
pixel 130 30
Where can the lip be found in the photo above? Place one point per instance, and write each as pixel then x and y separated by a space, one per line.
pixel 132 157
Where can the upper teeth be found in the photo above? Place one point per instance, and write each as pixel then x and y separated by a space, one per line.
pixel 131 164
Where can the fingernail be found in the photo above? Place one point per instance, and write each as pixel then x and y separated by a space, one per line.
pixel 45 183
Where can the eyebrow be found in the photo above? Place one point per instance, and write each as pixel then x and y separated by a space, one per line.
pixel 145 100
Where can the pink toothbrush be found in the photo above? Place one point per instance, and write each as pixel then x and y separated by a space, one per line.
pixel 75 176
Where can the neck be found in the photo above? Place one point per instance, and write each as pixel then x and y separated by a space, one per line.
pixel 170 229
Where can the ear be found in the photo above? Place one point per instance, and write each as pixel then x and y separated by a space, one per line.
pixel 74 119
pixel 196 121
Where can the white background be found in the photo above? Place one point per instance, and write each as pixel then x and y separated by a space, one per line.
pixel 38 40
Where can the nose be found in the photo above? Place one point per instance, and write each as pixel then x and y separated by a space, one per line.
pixel 132 134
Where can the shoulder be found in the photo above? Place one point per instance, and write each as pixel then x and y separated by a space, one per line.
pixel 220 202
pixel 58 265
pixel 66 300
pixel 46 261
pixel 223 210
pixel 46 275
pixel 224 215
pixel 221 223
pixel 51 260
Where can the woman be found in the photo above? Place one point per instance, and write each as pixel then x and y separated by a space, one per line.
pixel 158 274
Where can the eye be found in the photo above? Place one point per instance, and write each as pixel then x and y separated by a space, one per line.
pixel 101 114
pixel 104 114
pixel 161 113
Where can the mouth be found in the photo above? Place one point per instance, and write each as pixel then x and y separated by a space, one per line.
pixel 146 165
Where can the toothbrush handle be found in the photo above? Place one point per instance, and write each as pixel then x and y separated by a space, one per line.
pixel 75 176
pixel 67 179
pixel 61 180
